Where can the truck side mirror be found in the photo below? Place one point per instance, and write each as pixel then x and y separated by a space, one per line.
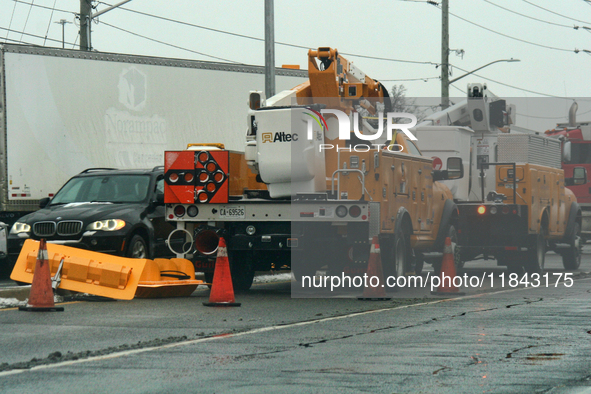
pixel 579 177
pixel 255 100
pixel 566 151
pixel 455 168
pixel 44 201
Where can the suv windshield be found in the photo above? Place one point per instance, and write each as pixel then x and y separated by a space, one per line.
pixel 104 188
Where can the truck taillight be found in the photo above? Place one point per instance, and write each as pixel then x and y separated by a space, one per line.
pixel 179 210
pixel 355 211
pixel 481 210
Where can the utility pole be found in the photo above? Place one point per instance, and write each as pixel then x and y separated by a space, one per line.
pixel 63 23
pixel 444 54
pixel 269 49
pixel 85 19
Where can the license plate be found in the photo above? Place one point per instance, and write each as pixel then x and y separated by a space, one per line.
pixel 204 265
pixel 232 212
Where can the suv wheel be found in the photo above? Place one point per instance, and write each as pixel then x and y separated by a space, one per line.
pixel 137 248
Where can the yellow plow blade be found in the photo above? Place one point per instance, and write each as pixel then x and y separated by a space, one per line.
pixel 83 271
pixel 167 278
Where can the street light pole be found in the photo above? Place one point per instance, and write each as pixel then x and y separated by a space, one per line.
pixel 480 68
pixel 63 23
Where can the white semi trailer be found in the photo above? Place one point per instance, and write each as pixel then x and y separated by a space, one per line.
pixel 62 111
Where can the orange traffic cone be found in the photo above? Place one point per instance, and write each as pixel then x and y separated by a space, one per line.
pixel 222 291
pixel 374 269
pixel 448 270
pixel 41 296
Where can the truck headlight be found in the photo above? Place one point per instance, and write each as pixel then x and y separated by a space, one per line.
pixel 19 227
pixel 106 225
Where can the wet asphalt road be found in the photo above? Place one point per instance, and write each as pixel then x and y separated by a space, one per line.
pixel 500 341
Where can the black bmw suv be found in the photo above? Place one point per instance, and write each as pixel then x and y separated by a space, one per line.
pixel 119 212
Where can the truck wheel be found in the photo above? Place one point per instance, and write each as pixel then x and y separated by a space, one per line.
pixel 453 234
pixel 401 252
pixel 512 261
pixel 303 263
pixel 419 263
pixel 536 255
pixel 571 257
pixel 242 270
pixel 137 248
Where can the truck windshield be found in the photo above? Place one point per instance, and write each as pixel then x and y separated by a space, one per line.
pixel 105 188
pixel 580 153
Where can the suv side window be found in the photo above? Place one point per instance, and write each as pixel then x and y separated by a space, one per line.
pixel 160 184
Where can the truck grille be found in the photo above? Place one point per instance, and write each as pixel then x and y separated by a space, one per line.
pixel 69 227
pixel 44 229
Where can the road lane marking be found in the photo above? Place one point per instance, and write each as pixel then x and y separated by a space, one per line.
pixel 251 332
pixel 57 303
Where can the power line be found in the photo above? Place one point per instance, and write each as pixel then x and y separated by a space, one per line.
pixel 410 79
pixel 168 44
pixel 389 59
pixel 542 117
pixel 49 24
pixel 28 34
pixel 42 6
pixel 27 20
pixel 515 38
pixel 511 86
pixel 531 17
pixel 20 42
pixel 262 40
pixel 11 17
pixel 556 13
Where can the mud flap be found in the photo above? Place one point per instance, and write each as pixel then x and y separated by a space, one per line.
pixel 83 271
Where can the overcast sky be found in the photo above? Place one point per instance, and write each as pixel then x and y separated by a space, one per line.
pixel 543 38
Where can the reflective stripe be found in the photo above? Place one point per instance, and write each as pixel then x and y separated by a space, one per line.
pixel 222 252
pixel 42 255
pixel 375 248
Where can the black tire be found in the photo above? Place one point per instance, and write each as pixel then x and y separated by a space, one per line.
pixel 419 263
pixel 536 255
pixel 513 261
pixel 571 257
pixel 401 251
pixel 242 270
pixel 303 265
pixel 516 268
pixel 138 248
pixel 7 265
pixel 453 234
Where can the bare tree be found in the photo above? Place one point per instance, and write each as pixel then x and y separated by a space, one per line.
pixel 401 103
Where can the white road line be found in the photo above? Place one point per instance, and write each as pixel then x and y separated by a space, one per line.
pixel 251 332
